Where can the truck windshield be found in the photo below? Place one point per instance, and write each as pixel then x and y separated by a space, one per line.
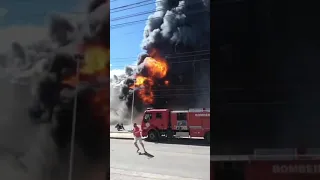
pixel 147 117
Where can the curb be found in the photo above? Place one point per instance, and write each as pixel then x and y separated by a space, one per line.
pixel 125 131
pixel 124 138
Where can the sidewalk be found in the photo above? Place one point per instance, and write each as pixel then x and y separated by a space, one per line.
pixel 126 134
pixel 122 135
pixel 129 136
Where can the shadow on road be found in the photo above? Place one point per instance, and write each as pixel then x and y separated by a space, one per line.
pixel 182 141
pixel 147 154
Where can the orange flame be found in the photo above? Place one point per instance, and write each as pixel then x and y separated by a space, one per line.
pixel 145 93
pixel 157 69
pixel 96 59
pixel 140 80
pixel 96 64
pixel 143 81
pixel 100 103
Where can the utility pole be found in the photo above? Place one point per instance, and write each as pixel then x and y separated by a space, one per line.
pixel 132 105
pixel 74 120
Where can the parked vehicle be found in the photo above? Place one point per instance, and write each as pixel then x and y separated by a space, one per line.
pixel 171 123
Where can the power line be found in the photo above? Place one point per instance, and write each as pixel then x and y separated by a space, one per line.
pixel 167 58
pixel 170 90
pixel 138 21
pixel 139 4
pixel 187 94
pixel 146 12
pixel 83 12
pixel 188 52
pixel 128 5
pixel 177 94
pixel 131 15
pixel 119 25
pixel 120 18
pixel 132 32
pixel 193 87
pixel 171 55
pixel 129 8
pixel 179 62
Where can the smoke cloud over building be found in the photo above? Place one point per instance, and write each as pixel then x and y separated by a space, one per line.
pixel 173 71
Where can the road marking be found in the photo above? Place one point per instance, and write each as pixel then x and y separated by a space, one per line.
pixel 147 175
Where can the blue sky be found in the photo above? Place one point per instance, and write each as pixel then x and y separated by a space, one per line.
pixel 125 41
pixel 33 11
pixel 25 18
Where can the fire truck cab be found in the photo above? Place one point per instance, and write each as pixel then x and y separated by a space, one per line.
pixel 169 123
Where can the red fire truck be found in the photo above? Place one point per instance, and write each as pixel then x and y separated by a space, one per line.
pixel 278 164
pixel 169 123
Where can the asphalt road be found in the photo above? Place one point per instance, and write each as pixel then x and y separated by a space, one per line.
pixel 170 161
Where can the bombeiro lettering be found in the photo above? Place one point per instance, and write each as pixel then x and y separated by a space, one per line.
pixel 296 168
pixel 207 115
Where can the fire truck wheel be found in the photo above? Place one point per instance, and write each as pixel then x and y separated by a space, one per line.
pixel 207 137
pixel 153 135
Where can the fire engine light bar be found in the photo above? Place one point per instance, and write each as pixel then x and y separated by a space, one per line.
pixel 199 110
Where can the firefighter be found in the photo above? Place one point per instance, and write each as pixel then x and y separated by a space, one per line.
pixel 119 127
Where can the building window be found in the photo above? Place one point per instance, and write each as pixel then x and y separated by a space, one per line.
pixel 182 116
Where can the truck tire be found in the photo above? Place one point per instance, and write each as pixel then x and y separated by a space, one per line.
pixel 207 137
pixel 153 135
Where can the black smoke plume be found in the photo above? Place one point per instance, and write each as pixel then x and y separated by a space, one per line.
pixel 178 31
pixel 56 99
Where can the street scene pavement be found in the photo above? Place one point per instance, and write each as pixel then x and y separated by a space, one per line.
pixel 126 127
pixel 161 162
